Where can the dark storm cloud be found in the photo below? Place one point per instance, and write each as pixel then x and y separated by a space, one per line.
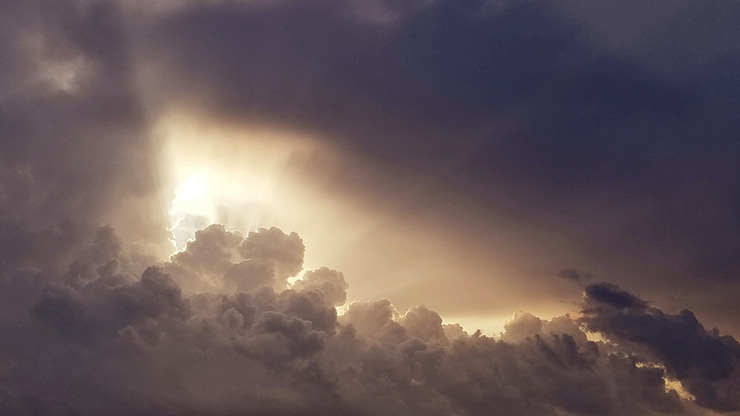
pixel 707 363
pixel 72 132
pixel 528 106
pixel 544 113
pixel 611 295
pixel 208 263
pixel 330 282
pixel 507 96
pixel 97 339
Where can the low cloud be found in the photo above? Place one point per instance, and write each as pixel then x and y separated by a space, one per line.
pixel 219 330
pixel 706 363
pixel 535 122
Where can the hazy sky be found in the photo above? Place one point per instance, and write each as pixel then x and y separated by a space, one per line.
pixel 385 177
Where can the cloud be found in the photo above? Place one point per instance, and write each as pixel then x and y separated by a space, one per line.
pixel 613 296
pixel 329 282
pixel 510 100
pixel 525 110
pixel 547 114
pixel 97 338
pixel 706 363
pixel 575 275
pixel 218 259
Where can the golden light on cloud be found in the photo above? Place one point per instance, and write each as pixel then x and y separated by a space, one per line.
pixel 262 207
pixel 246 177
pixel 207 193
pixel 225 174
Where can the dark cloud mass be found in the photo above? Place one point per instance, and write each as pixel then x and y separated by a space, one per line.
pixel 98 339
pixel 543 133
pixel 596 123
pixel 706 363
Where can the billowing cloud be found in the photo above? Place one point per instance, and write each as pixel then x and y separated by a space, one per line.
pixel 97 338
pixel 73 133
pixel 525 133
pixel 706 363
pixel 589 132
pixel 217 259
pixel 329 282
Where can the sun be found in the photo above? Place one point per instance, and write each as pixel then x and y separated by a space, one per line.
pixel 218 174
pixel 193 188
pixel 209 196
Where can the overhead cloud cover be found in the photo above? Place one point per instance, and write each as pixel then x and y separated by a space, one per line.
pixel 443 161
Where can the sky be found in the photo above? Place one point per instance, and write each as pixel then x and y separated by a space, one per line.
pixel 369 207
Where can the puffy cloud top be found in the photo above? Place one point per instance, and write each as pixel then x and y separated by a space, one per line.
pixel 522 105
pixel 221 260
pixel 329 282
pixel 139 344
pixel 706 363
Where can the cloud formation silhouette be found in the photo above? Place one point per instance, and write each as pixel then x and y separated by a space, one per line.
pixel 96 338
pixel 706 363
pixel 525 115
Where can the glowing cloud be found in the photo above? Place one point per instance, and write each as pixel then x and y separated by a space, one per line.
pixel 223 174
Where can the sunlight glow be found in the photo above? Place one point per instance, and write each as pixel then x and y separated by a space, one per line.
pixel 224 174
pixel 206 193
